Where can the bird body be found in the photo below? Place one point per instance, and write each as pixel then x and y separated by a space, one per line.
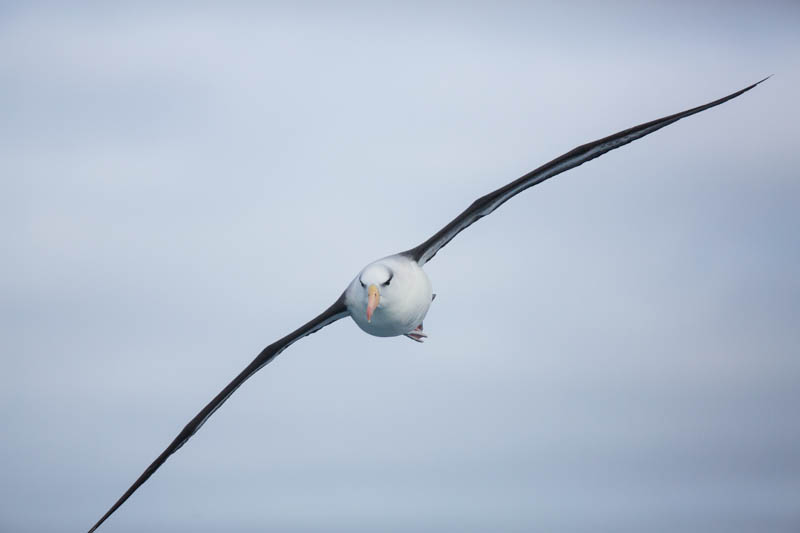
pixel 391 296
pixel 405 295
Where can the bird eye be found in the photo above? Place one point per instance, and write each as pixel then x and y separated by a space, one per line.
pixel 389 280
pixel 362 284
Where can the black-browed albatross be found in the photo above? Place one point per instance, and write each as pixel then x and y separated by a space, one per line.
pixel 391 296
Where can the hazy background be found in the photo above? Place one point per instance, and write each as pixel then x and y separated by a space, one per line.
pixel 614 350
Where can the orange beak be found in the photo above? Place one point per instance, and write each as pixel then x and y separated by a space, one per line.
pixel 374 298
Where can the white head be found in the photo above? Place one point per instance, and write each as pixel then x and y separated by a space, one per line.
pixel 375 280
pixel 389 297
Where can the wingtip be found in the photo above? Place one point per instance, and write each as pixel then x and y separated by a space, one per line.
pixel 762 81
pixel 737 93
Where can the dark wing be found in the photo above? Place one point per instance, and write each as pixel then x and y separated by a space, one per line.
pixel 486 204
pixel 332 314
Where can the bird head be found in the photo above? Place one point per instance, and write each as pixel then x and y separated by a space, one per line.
pixel 374 280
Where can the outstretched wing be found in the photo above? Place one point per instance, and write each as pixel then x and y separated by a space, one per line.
pixel 332 314
pixel 486 204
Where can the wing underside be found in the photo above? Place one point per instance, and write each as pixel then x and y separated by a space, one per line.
pixel 486 204
pixel 332 314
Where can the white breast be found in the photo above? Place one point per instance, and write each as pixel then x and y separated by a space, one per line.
pixel 403 303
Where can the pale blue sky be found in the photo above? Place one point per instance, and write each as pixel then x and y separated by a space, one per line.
pixel 614 350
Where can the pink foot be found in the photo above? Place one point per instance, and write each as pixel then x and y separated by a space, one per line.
pixel 417 334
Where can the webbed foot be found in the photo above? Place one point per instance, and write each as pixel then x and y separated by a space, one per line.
pixel 417 334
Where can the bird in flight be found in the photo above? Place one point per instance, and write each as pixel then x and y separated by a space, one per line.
pixel 391 296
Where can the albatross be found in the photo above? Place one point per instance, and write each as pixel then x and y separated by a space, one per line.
pixel 391 296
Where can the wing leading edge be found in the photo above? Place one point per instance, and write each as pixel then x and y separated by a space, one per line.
pixel 486 204
pixel 329 316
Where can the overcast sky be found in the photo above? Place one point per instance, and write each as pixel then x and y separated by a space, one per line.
pixel 614 350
